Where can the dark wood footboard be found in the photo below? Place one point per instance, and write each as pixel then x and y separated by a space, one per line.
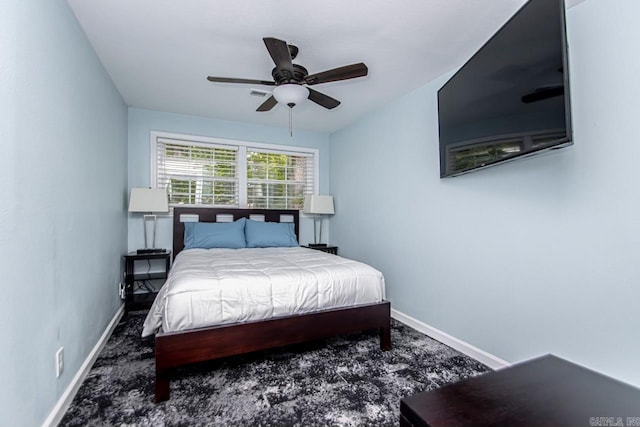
pixel 176 349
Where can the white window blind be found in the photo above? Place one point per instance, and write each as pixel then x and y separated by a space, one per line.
pixel 278 180
pixel 197 174
pixel 242 175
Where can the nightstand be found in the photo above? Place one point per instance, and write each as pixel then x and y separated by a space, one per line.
pixel 143 276
pixel 328 249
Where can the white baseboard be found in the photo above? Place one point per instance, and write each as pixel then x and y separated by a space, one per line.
pixel 67 397
pixel 453 342
pixel 65 400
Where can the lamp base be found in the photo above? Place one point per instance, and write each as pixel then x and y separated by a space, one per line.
pixel 317 245
pixel 150 251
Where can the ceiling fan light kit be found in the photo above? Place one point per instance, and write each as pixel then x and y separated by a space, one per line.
pixel 290 94
pixel 289 79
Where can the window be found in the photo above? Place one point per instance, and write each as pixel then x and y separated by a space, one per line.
pixel 197 175
pixel 477 155
pixel 276 180
pixel 205 171
pixel 481 151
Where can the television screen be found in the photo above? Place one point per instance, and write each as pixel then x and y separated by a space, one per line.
pixel 511 99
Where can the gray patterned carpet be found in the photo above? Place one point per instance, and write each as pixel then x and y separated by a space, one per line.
pixel 344 381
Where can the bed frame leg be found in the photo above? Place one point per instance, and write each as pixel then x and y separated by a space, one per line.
pixel 385 338
pixel 162 386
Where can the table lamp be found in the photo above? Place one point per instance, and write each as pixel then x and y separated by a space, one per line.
pixel 317 206
pixel 149 200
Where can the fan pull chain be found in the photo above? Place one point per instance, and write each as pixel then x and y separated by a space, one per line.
pixel 290 122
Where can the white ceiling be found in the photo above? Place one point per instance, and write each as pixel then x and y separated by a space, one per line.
pixel 159 52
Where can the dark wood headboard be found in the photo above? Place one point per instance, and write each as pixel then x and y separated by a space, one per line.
pixel 210 215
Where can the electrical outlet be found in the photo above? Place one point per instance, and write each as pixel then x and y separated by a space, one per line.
pixel 59 362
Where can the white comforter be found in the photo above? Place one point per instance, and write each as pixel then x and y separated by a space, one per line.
pixel 216 286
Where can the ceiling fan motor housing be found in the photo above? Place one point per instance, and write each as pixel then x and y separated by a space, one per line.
pixel 284 76
pixel 293 51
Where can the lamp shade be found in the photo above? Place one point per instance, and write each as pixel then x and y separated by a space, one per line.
pixel 290 93
pixel 316 204
pixel 148 200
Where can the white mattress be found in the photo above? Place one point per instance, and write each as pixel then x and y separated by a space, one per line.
pixel 216 286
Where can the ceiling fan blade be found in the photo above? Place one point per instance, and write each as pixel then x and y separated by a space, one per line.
pixel 540 94
pixel 342 73
pixel 245 81
pixel 280 54
pixel 323 100
pixel 268 104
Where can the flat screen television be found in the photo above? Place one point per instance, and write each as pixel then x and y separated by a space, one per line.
pixel 511 99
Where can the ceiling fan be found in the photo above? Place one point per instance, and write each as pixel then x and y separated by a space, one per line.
pixel 545 92
pixel 291 80
pixel 542 93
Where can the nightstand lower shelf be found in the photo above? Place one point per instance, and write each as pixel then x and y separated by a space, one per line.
pixel 141 301
pixel 141 288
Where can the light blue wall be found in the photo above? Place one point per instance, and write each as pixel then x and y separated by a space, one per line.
pixel 532 257
pixel 62 217
pixel 142 122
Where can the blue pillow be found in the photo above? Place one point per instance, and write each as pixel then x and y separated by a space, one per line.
pixel 270 234
pixel 207 235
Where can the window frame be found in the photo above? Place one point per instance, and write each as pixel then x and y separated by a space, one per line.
pixel 241 166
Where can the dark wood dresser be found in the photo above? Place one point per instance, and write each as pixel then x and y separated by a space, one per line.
pixel 547 391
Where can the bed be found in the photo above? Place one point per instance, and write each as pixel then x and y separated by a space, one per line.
pixel 181 340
